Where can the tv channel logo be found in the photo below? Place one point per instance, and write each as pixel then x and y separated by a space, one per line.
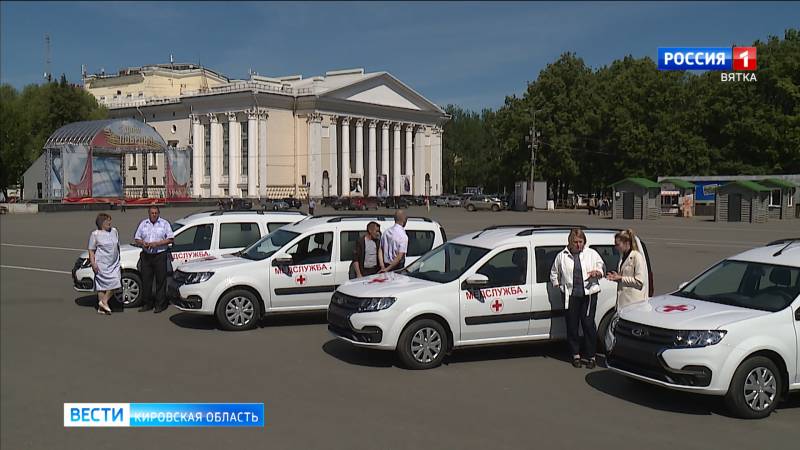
pixel 163 414
pixel 708 58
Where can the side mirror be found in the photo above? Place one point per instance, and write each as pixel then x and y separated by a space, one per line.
pixel 683 285
pixel 476 281
pixel 282 259
pixel 797 314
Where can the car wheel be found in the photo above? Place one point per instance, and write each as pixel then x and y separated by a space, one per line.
pixel 471 208
pixel 422 345
pixel 602 330
pixel 755 388
pixel 130 296
pixel 495 208
pixel 238 310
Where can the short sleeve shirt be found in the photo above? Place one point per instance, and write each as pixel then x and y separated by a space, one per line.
pixel 151 232
pixel 394 241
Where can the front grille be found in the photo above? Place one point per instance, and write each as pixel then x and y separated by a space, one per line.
pixel 645 333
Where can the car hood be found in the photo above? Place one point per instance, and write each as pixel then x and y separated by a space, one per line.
pixel 215 264
pixel 680 313
pixel 384 285
pixel 123 249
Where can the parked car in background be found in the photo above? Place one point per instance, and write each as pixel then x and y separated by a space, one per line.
pixel 397 202
pixel 329 201
pixel 483 202
pixel 275 205
pixel 362 203
pixel 242 204
pixel 441 200
pixel 293 202
pixel 454 202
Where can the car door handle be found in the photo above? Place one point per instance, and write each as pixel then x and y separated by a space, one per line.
pixel 327 273
pixel 522 298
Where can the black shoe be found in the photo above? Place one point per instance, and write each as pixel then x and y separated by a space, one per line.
pixel 590 364
pixel 145 308
pixel 160 309
pixel 576 363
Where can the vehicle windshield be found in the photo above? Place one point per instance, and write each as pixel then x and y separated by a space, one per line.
pixel 445 263
pixel 268 245
pixel 764 287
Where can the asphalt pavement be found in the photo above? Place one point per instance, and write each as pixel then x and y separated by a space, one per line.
pixel 321 393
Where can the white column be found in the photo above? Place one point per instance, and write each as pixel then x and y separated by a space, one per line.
pixel 409 157
pixel 314 171
pixel 396 161
pixel 419 161
pixel 252 154
pixel 372 171
pixel 216 155
pixel 436 162
pixel 385 152
pixel 198 142
pixel 345 157
pixel 359 147
pixel 333 176
pixel 234 154
pixel 262 153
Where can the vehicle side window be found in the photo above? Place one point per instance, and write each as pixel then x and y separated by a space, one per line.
pixel 234 235
pixel 545 256
pixel 507 268
pixel 609 254
pixel 347 243
pixel 313 249
pixel 194 238
pixel 275 225
pixel 419 242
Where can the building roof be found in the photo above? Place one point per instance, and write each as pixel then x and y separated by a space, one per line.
pixel 779 182
pixel 643 182
pixel 749 185
pixel 108 133
pixel 680 184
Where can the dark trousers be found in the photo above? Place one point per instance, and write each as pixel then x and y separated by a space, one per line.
pixel 154 266
pixel 581 313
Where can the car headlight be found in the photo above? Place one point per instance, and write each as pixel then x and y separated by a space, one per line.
pixel 698 338
pixel 197 277
pixel 376 304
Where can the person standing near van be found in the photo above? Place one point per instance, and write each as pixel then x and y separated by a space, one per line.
pixel 630 273
pixel 577 271
pixel 154 235
pixel 394 243
pixel 367 254
pixel 105 260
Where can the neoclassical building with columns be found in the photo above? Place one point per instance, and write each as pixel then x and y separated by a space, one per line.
pixel 345 133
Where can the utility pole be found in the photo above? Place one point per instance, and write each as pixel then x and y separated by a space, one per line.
pixel 48 76
pixel 533 138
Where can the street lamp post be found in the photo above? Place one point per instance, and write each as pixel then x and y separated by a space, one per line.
pixel 534 144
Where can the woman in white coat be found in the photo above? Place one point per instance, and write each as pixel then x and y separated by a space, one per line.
pixel 577 271
pixel 631 270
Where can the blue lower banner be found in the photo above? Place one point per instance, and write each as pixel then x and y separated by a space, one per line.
pixel 163 414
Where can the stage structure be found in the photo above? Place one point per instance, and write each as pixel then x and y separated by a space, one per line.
pixel 87 162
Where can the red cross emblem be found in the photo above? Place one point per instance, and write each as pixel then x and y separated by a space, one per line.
pixel 378 280
pixel 300 280
pixel 674 308
pixel 497 305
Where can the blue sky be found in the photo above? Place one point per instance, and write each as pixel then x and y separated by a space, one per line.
pixel 471 53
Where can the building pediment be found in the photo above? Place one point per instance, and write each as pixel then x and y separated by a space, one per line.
pixel 383 90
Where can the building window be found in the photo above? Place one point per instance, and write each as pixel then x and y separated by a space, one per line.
pixel 245 149
pixel 792 193
pixel 119 92
pixel 133 181
pixel 141 94
pixel 172 144
pixel 133 161
pixel 775 198
pixel 207 150
pixel 154 181
pixel 303 180
pixel 225 148
pixel 174 128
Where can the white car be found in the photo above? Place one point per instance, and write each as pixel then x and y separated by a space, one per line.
pixel 488 287
pixel 733 331
pixel 198 236
pixel 295 268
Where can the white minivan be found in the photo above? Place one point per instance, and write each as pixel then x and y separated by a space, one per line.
pixel 488 287
pixel 733 331
pixel 295 268
pixel 198 236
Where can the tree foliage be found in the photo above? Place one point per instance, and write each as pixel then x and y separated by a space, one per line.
pixel 29 117
pixel 630 119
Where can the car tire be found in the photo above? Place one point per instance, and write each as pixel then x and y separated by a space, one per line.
pixel 602 329
pixel 471 208
pixel 422 345
pixel 130 296
pixel 753 375
pixel 238 310
pixel 495 208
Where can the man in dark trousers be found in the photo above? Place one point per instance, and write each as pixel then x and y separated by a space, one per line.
pixel 154 235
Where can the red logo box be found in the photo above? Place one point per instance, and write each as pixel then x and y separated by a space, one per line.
pixel 744 58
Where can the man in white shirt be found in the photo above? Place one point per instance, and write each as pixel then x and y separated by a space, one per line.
pixel 394 243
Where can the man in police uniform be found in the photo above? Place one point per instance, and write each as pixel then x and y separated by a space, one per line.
pixel 154 235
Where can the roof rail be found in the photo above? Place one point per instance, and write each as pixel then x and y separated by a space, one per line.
pixel 529 227
pixel 257 211
pixel 783 241
pixel 332 218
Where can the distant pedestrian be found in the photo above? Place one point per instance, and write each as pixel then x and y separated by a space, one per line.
pixel 104 258
pixel 154 235
pixel 367 254
pixel 394 243
pixel 630 273
pixel 311 206
pixel 577 271
pixel 123 206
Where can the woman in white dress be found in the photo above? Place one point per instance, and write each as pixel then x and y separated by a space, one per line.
pixel 104 257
